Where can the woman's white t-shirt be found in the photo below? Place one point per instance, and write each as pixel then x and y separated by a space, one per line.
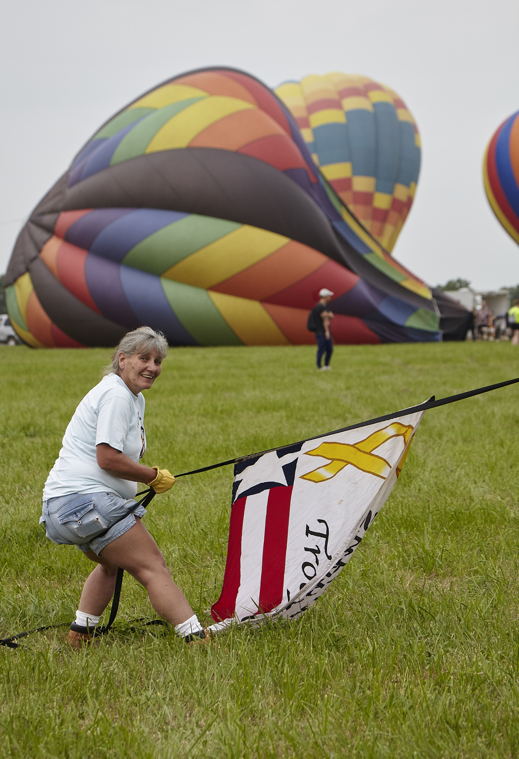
pixel 110 413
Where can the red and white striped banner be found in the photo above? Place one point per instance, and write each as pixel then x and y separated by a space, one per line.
pixel 298 514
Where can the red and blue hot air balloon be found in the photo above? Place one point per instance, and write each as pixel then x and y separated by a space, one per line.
pixel 501 174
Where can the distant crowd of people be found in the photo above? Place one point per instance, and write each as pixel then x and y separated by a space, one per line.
pixel 487 326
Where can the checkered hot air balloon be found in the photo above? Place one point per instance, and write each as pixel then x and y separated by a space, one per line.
pixel 366 142
pixel 198 209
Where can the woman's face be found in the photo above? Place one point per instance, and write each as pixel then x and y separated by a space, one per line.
pixel 140 370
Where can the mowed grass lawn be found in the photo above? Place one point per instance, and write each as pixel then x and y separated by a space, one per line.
pixel 412 652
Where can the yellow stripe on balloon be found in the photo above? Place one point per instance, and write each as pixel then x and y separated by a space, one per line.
pixel 317 87
pixel 249 320
pixel 184 126
pixel 166 95
pixel 337 170
pixel 290 91
pixel 417 287
pixel 364 184
pixel 382 200
pixel 29 338
pixel 327 116
pixel 356 103
pixel 380 96
pixel 404 115
pixel 226 256
pixel 401 192
pixel 23 288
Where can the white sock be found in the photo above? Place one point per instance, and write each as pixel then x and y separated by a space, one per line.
pixel 189 627
pixel 85 619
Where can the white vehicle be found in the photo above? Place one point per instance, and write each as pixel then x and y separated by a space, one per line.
pixel 7 333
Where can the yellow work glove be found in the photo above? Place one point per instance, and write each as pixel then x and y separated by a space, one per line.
pixel 163 481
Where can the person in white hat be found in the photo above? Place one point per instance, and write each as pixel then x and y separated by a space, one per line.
pixel 319 320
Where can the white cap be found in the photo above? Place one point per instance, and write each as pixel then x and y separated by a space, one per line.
pixel 324 293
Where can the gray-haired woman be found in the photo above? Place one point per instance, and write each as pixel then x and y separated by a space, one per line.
pixel 88 498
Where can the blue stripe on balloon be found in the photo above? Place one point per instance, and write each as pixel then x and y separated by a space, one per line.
pixel 362 140
pixel 144 291
pixel 116 239
pixel 81 159
pixel 504 165
pixel 350 236
pixel 387 157
pixel 409 155
pixel 331 143
pixel 84 231
pixel 396 310
pixel 99 159
pixel 104 283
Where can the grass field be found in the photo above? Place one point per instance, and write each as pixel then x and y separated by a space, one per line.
pixel 412 652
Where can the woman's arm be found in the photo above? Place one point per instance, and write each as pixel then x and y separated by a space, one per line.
pixel 120 465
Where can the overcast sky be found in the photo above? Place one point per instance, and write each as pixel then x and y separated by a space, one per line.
pixel 68 66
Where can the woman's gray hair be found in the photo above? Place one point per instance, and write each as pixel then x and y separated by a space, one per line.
pixel 139 340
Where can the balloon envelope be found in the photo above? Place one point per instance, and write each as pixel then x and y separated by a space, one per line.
pixel 501 174
pixel 366 142
pixel 197 209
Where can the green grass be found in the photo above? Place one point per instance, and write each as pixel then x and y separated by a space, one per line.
pixel 410 653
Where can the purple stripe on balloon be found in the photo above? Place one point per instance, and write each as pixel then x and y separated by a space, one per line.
pixel 504 164
pixel 99 159
pixel 85 230
pixel 351 237
pixel 116 239
pixel 80 160
pixel 362 300
pixel 300 177
pixel 144 291
pixel 104 283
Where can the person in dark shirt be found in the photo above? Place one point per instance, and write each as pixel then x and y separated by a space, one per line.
pixel 319 322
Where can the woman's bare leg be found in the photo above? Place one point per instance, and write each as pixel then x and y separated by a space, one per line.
pixel 98 588
pixel 137 553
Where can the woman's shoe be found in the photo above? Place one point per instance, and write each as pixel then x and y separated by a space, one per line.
pixel 78 637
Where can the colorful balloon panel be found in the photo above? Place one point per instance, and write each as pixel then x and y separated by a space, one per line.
pixel 501 174
pixel 365 141
pixel 197 209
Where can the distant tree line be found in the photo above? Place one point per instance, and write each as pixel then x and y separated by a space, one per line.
pixel 457 284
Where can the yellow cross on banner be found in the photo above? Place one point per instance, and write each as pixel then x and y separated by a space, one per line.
pixel 360 454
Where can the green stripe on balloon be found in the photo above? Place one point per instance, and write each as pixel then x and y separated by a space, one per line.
pixel 138 139
pixel 198 314
pixel 423 319
pixel 168 246
pixel 12 308
pixel 120 122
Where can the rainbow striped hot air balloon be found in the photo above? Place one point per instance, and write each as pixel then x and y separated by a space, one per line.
pixel 501 174
pixel 197 209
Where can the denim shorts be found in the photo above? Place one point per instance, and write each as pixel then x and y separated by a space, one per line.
pixel 89 520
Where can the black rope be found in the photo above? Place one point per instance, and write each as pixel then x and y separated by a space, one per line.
pixel 431 403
